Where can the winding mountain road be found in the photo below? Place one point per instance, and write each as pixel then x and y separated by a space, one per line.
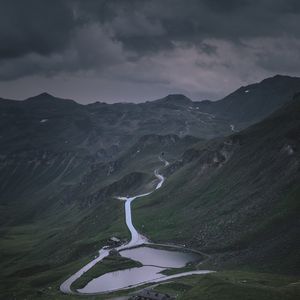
pixel 137 239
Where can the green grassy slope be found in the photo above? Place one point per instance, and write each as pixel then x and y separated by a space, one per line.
pixel 233 285
pixel 237 198
pixel 54 225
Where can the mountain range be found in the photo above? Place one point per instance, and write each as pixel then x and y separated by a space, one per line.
pixel 232 185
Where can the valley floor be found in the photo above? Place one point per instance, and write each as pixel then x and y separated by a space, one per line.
pixel 231 285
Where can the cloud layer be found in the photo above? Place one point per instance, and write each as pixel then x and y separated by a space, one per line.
pixel 134 50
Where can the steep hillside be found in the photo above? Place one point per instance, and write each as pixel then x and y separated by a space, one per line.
pixel 252 103
pixel 236 198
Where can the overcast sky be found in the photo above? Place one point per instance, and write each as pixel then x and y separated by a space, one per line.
pixel 137 50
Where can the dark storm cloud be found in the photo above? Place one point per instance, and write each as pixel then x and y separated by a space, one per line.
pixel 172 42
pixel 155 25
pixel 44 27
pixel 34 26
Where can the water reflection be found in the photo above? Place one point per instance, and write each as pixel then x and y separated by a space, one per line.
pixel 154 261
pixel 157 257
pixel 121 279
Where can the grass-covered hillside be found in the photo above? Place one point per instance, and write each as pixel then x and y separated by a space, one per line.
pixel 56 217
pixel 236 198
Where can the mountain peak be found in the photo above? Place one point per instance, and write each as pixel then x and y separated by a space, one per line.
pixel 279 77
pixel 42 96
pixel 177 96
pixel 178 99
pixel 45 94
pixel 46 99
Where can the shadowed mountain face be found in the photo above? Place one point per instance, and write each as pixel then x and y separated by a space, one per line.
pixel 62 164
pixel 258 100
pixel 252 103
pixel 101 130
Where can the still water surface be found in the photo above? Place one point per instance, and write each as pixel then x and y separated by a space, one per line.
pixel 154 261
pixel 161 258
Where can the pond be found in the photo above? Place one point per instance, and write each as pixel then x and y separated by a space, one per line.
pixel 154 262
pixel 121 279
pixel 160 258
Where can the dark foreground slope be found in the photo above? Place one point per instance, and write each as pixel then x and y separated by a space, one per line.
pixel 236 198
